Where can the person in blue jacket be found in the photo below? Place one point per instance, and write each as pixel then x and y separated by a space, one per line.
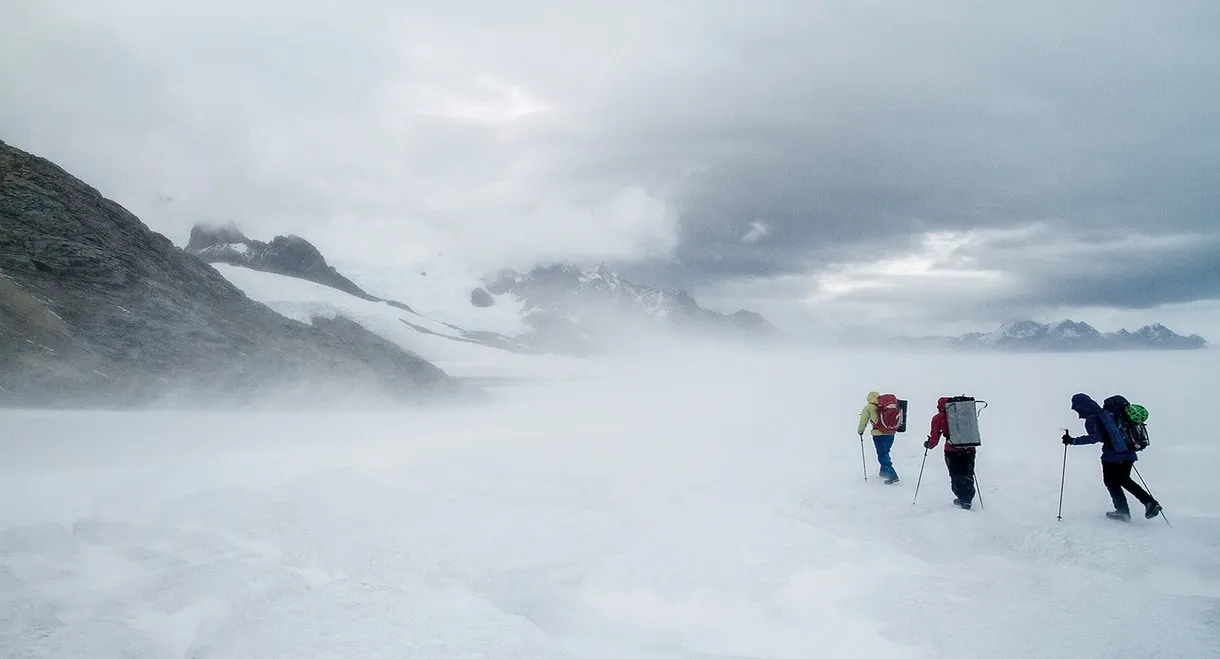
pixel 1117 457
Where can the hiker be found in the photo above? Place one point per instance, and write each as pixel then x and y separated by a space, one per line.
pixel 883 438
pixel 1117 455
pixel 958 459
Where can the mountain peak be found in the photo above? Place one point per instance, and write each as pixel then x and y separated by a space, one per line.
pixel 205 235
pixel 289 255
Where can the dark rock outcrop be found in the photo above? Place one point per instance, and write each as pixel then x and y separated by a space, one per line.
pixel 204 237
pixel 292 256
pixel 479 297
pixel 97 309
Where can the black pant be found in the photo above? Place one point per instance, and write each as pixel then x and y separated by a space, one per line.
pixel 961 474
pixel 1117 477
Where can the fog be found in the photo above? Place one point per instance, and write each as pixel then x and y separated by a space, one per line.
pixel 703 501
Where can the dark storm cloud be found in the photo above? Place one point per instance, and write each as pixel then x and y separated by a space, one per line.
pixel 1004 276
pixel 1096 117
pixel 1132 275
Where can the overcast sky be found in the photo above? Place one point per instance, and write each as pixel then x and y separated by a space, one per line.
pixel 922 166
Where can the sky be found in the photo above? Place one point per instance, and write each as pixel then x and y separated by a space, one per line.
pixel 916 167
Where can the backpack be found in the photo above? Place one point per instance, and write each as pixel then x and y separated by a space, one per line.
pixel 962 414
pixel 1115 432
pixel 1129 420
pixel 890 417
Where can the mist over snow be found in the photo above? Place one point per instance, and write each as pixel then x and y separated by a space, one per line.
pixel 705 502
pixel 440 287
pixel 517 352
pixel 302 300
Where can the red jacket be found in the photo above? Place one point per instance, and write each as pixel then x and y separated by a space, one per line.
pixel 940 428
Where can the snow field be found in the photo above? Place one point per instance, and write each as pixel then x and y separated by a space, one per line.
pixel 709 504
pixel 302 300
pixel 439 288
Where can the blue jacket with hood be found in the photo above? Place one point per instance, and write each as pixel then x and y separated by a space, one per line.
pixel 1100 426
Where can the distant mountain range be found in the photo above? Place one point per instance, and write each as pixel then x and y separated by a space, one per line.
pixel 567 310
pixel 1063 336
pixel 570 307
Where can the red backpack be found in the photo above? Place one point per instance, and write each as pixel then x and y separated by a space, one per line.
pixel 889 414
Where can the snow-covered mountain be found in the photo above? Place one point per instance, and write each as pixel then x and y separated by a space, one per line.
pixel 284 255
pixel 296 257
pixel 1063 336
pixel 569 306
pixel 559 308
pixel 96 309
pixel 459 352
pixel 1157 335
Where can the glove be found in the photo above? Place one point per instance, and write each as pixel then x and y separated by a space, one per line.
pixel 927 443
pixel 861 436
pixel 1067 439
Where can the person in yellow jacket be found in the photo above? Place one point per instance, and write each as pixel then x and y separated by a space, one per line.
pixel 882 440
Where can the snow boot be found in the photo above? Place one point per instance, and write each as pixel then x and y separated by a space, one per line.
pixel 1152 510
pixel 961 504
pixel 891 480
pixel 1119 516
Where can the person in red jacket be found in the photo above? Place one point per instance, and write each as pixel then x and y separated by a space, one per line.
pixel 959 459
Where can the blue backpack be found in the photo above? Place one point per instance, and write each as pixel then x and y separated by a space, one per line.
pixel 1130 421
pixel 1114 432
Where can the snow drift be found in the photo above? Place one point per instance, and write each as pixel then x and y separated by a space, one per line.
pixel 709 504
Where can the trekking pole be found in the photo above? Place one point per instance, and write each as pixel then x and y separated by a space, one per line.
pixel 920 479
pixel 1062 479
pixel 863 464
pixel 1141 476
pixel 979 491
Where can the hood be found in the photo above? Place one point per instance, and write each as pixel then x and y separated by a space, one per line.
pixel 872 396
pixel 1084 406
pixel 1115 405
pixel 940 404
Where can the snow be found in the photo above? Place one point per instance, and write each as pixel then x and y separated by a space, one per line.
pixel 442 294
pixel 240 248
pixel 439 343
pixel 703 502
pixel 1019 330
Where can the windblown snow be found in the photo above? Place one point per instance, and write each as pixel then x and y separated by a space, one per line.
pixel 440 289
pixel 705 505
pixel 439 342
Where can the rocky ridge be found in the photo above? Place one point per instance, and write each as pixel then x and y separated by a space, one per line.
pixel 98 310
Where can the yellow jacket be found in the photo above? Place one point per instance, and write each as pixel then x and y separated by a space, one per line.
pixel 869 415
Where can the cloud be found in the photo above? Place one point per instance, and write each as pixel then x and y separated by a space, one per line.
pixel 372 127
pixel 757 231
pixel 659 134
pixel 968 280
